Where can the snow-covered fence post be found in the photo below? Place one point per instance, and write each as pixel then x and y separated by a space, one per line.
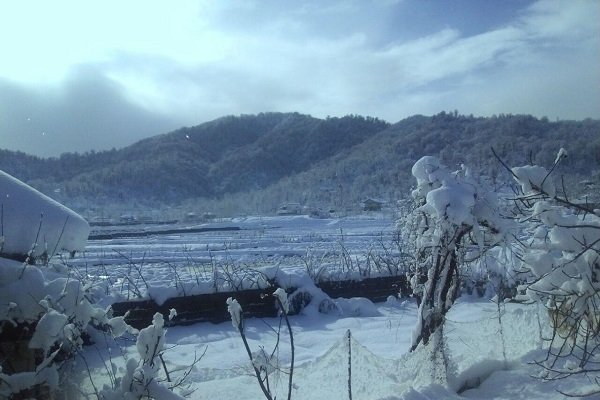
pixel 452 212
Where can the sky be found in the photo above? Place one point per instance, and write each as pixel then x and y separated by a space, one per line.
pixel 85 75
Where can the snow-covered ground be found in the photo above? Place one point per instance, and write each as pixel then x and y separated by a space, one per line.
pixel 159 262
pixel 487 360
pixel 257 238
pixel 381 366
pixel 496 366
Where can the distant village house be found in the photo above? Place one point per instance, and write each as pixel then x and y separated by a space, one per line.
pixel 290 209
pixel 372 205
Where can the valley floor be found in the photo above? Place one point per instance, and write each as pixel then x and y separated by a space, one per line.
pixel 487 359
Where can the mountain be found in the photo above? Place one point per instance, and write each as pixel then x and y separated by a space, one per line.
pixel 230 154
pixel 252 163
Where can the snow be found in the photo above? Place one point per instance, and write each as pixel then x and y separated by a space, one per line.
pixel 381 366
pixel 452 202
pixel 485 365
pixel 235 310
pixel 150 340
pixel 562 153
pixel 294 249
pixel 119 327
pixel 49 329
pixel 531 177
pixel 34 224
pixel 283 299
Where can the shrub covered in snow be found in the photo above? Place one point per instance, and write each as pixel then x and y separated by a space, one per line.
pixel 50 310
pixel 453 214
pixel 563 256
pixel 142 378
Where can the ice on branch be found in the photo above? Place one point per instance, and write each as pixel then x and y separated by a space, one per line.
pixel 534 180
pixel 283 298
pixel 235 310
pixel 562 153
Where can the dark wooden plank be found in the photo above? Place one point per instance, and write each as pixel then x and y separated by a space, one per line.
pixel 119 235
pixel 256 303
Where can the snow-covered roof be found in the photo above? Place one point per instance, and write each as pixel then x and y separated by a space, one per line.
pixel 31 221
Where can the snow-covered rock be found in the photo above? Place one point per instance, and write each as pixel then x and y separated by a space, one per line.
pixel 34 224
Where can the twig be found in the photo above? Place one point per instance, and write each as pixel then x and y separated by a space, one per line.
pixel 1 227
pixel 59 238
pixel 162 360
pixel 87 367
pixel 30 253
pixel 504 164
pixel 287 321
pixel 240 328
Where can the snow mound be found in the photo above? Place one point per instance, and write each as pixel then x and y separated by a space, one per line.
pixel 34 224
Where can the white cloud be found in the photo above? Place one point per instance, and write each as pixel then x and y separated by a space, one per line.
pixel 201 60
pixel 323 74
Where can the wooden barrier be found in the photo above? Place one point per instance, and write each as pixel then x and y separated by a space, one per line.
pixel 256 303
pixel 136 234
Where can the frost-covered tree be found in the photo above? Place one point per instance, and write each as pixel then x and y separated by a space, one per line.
pixel 563 256
pixel 453 214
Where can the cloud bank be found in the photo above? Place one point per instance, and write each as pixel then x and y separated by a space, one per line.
pixel 388 59
pixel 87 111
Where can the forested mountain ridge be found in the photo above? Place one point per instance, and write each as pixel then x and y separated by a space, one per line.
pixel 230 154
pixel 255 162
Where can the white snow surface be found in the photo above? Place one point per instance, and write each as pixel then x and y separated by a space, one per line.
pixel 287 246
pixel 381 367
pixel 381 333
pixel 34 224
pixel 531 177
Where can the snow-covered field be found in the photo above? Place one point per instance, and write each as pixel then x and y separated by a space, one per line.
pixel 381 366
pixel 255 238
pixel 493 365
pixel 186 263
pixel 489 350
pixel 345 348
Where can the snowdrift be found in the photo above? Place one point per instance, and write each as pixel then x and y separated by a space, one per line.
pixel 33 222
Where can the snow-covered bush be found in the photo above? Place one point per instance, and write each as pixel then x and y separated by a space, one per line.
pixel 142 378
pixel 563 256
pixel 50 312
pixel 453 215
pixel 53 313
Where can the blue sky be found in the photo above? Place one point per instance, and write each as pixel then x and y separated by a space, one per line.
pixel 83 75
